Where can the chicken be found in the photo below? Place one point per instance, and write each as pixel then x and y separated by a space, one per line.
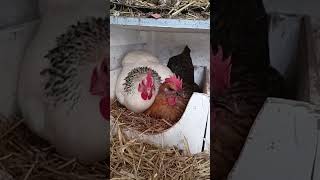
pixel 242 78
pixel 175 92
pixel 221 72
pixel 139 80
pixel 170 102
pixel 183 67
pixel 62 93
pixel 241 28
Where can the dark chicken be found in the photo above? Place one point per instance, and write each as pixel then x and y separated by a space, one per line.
pixel 242 77
pixel 182 66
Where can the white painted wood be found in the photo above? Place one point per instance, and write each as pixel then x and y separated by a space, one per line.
pixel 309 7
pixel 283 42
pixel 113 81
pixel 190 127
pixel 163 45
pixel 123 41
pixel 316 173
pixel 15 12
pixel 281 143
pixel 121 36
pixel 13 41
pixel 206 85
pixel 313 68
pixel 167 44
pixel 162 24
pixel 207 135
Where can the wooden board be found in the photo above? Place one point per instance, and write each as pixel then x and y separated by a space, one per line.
pixel 281 144
pixel 207 134
pixel 312 46
pixel 162 25
pixel 113 81
pixel 13 41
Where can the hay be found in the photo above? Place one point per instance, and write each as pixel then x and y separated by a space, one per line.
pixel 27 157
pixel 178 9
pixel 139 121
pixel 134 159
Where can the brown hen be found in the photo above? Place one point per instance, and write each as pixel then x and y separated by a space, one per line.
pixel 171 101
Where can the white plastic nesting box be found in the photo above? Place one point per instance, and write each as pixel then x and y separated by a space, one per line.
pixel 165 38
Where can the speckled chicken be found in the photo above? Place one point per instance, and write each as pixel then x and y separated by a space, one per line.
pixel 242 78
pixel 62 93
pixel 139 80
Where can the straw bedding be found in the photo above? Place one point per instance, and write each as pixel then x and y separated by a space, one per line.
pixel 134 159
pixel 177 9
pixel 139 121
pixel 24 156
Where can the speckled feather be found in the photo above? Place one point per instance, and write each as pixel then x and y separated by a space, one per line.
pixel 75 48
pixel 138 71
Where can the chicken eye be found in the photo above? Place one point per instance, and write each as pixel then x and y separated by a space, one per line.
pixel 168 89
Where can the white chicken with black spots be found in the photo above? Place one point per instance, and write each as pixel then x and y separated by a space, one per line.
pixel 63 93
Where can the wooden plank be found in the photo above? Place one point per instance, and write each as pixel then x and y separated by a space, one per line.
pixel 163 25
pixel 281 144
pixel 207 135
pixel 313 62
pixel 305 58
pixel 113 81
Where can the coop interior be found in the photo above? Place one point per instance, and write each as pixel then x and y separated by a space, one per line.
pixel 152 36
pixel 294 52
pixel 293 47
pixel 294 43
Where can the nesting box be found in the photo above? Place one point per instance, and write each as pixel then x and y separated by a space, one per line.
pixel 165 38
pixel 283 142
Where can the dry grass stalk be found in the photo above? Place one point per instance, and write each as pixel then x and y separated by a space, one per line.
pixel 180 9
pixel 134 159
pixel 27 157
pixel 139 121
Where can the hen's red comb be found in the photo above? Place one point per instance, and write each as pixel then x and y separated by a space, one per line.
pixel 221 71
pixel 175 80
pixel 149 79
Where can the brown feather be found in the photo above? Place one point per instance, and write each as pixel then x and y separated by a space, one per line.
pixel 161 109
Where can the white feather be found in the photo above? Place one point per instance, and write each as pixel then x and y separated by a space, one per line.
pixel 134 59
pixel 81 133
